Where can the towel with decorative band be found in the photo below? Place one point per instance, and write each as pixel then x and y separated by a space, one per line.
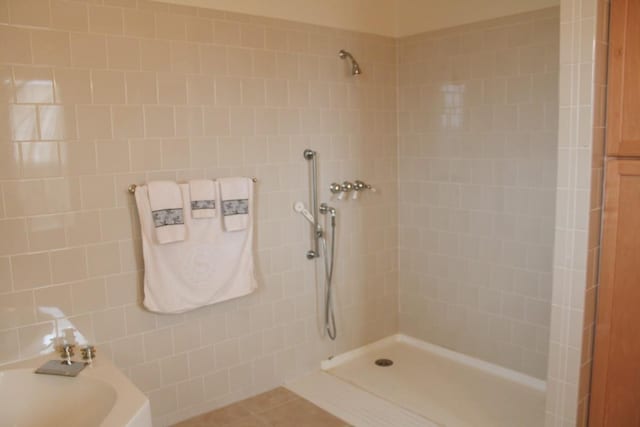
pixel 203 194
pixel 235 194
pixel 165 201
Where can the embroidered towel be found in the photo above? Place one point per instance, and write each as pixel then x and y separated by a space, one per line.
pixel 209 267
pixel 235 196
pixel 203 198
pixel 165 200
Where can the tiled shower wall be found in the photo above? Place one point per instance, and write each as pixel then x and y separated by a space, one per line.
pixel 478 120
pixel 97 95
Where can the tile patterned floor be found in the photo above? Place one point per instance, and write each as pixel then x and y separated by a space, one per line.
pixel 276 408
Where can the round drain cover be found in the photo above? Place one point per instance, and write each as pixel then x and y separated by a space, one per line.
pixel 384 362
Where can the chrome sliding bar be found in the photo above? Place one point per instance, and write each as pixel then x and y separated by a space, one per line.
pixel 311 155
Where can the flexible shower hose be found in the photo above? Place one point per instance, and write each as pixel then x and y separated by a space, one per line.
pixel 329 316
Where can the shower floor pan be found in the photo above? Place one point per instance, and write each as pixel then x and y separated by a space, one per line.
pixel 444 387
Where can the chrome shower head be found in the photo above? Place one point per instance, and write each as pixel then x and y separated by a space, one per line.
pixel 355 67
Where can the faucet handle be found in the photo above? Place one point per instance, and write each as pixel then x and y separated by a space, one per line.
pixel 360 185
pixel 335 188
pixel 88 353
pixel 67 350
pixel 347 187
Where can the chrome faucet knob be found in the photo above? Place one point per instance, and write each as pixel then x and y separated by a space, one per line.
pixel 359 185
pixel 335 188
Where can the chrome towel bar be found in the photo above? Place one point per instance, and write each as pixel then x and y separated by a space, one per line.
pixel 132 187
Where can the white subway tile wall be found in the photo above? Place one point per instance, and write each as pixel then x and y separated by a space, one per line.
pixel 98 95
pixel 478 120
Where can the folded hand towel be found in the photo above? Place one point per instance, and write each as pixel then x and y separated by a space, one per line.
pixel 235 196
pixel 165 200
pixel 203 198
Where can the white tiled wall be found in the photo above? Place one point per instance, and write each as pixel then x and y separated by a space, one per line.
pixel 584 38
pixel 477 176
pixel 98 95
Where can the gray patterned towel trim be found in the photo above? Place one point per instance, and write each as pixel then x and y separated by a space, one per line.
pixel 202 204
pixel 235 207
pixel 166 217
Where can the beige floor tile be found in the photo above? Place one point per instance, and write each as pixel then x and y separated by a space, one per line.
pixel 269 400
pixel 221 417
pixel 300 413
pixel 275 408
pixel 248 421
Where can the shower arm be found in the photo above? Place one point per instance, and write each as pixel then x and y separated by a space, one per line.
pixel 313 253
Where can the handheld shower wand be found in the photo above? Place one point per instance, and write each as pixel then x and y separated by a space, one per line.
pixel 319 237
pixel 329 258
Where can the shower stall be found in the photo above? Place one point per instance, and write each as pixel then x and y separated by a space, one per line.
pixel 476 192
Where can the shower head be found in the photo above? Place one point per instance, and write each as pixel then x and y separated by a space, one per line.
pixel 355 67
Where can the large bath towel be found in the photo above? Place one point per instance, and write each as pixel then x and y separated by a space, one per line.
pixel 209 267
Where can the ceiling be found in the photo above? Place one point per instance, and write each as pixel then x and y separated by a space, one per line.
pixel 394 18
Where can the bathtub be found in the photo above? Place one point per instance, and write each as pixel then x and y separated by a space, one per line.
pixel 99 396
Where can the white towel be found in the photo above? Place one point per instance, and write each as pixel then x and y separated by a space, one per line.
pixel 203 198
pixel 235 197
pixel 165 200
pixel 211 266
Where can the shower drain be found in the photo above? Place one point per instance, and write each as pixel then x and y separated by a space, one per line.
pixel 384 362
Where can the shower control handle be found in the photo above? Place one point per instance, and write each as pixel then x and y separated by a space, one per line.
pixel 347 187
pixel 359 186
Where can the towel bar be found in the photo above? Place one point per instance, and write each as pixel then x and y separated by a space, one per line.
pixel 132 187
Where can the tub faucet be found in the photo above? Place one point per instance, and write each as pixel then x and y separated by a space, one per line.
pixel 65 367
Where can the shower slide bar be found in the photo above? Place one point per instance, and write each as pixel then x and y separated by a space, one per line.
pixel 311 156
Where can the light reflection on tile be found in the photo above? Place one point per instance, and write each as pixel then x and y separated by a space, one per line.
pixel 40 159
pixel 33 85
pixel 22 123
pixel 10 160
pixel 56 122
